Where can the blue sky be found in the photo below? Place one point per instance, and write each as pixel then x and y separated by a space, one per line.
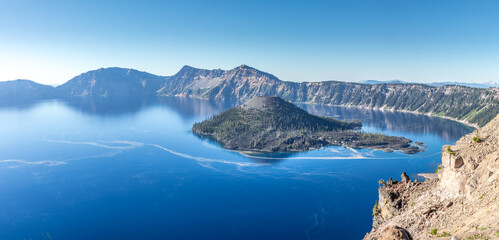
pixel 422 41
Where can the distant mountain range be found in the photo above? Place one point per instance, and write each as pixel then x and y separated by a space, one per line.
pixel 488 84
pixel 374 82
pixel 471 105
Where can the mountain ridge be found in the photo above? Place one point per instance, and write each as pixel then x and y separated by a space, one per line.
pixel 469 105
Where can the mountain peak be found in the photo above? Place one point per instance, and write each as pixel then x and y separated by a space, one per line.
pixel 187 67
pixel 265 103
pixel 244 66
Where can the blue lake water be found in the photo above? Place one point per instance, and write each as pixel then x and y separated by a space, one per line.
pixel 132 169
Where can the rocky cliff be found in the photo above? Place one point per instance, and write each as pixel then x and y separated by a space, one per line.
pixel 462 202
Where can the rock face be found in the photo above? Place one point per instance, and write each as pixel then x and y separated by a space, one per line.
pixel 462 203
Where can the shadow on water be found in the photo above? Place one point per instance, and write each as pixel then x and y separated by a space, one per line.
pixel 190 108
pixel 20 103
pixel 258 157
pixel 187 108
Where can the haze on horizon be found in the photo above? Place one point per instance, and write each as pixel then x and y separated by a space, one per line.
pixel 415 41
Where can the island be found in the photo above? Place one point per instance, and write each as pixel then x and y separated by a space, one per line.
pixel 271 124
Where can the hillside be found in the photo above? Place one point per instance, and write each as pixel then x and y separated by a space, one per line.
pixel 462 203
pixel 25 89
pixel 238 84
pixel 106 82
pixel 469 105
pixel 270 124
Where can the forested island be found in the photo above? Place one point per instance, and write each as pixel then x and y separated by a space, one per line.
pixel 271 124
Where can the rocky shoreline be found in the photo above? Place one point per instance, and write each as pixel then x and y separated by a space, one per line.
pixel 296 142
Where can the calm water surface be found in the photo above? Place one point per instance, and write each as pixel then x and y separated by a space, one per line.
pixel 132 169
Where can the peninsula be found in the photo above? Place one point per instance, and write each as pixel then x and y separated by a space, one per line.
pixel 271 124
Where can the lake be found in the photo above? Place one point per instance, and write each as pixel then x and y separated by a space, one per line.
pixel 130 168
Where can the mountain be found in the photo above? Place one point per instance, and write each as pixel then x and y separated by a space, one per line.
pixel 492 83
pixel 436 84
pixel 473 85
pixel 462 200
pixel 271 124
pixel 238 84
pixel 112 82
pixel 469 105
pixel 373 82
pixel 25 89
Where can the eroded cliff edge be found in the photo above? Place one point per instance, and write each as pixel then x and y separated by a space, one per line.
pixel 463 203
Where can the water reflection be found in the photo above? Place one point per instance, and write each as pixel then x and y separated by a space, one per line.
pixel 396 121
pixel 189 108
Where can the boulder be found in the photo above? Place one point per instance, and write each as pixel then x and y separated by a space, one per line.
pixel 395 233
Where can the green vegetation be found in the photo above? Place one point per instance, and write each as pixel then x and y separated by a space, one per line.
pixel 477 138
pixel 376 209
pixel 282 118
pixel 444 234
pixel 438 169
pixel 477 236
pixel 450 151
pixel 433 231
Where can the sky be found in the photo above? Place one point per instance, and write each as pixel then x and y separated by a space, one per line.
pixel 52 41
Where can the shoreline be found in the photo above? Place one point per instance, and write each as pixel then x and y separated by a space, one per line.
pixel 474 125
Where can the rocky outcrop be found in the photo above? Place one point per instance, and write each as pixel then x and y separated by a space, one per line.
pixel 462 203
pixel 395 233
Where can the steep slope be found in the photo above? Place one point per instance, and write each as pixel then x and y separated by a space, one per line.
pixel 463 202
pixel 25 89
pixel 271 124
pixel 238 84
pixel 112 82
